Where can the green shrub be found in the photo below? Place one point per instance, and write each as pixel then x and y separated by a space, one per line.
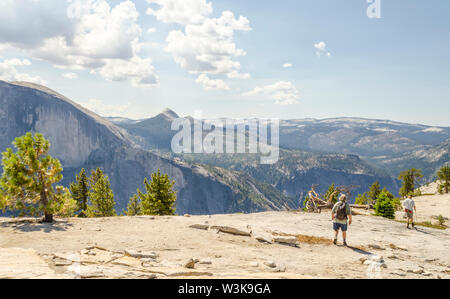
pixel 362 199
pixel 385 206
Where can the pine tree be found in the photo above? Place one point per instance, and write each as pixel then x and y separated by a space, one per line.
pixel 134 206
pixel 80 192
pixel 101 197
pixel 444 175
pixel 385 205
pixel 374 192
pixel 409 178
pixel 159 198
pixel 28 179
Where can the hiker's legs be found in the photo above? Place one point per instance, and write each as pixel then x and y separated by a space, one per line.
pixel 344 234
pixel 336 232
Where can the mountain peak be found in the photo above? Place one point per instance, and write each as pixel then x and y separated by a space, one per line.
pixel 169 113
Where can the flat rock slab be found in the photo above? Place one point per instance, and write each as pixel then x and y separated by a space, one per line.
pixel 200 226
pixel 141 255
pixel 285 240
pixel 19 263
pixel 233 230
pixel 128 261
pixel 177 272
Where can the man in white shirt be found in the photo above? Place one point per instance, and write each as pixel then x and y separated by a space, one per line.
pixel 410 208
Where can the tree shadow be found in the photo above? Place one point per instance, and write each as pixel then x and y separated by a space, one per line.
pixel 36 225
pixel 360 250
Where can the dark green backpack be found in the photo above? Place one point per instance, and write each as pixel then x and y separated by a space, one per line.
pixel 341 213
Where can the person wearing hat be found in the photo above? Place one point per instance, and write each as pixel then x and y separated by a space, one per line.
pixel 341 214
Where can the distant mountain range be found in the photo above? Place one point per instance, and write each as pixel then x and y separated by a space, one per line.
pixel 388 146
pixel 82 139
pixel 341 151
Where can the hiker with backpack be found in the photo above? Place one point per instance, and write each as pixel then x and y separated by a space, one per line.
pixel 409 206
pixel 341 214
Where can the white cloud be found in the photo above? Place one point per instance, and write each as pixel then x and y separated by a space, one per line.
pixel 181 11
pixel 93 36
pixel 284 92
pixel 70 76
pixel 321 49
pixel 151 30
pixel 206 45
pixel 287 65
pixel 209 47
pixel 9 72
pixel 237 75
pixel 105 109
pixel 210 84
pixel 139 71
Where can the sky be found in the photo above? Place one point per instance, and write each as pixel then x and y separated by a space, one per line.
pixel 285 59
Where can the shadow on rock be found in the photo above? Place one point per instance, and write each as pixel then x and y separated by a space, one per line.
pixel 36 225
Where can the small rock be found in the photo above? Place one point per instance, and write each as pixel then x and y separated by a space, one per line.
pixel 376 258
pixel 375 246
pixel 200 226
pixel 205 262
pixel 430 260
pixel 187 215
pixel 363 259
pixel 190 264
pixel 263 239
pixel 392 257
pixel 285 240
pixel 234 231
pixel 427 274
pixel 418 271
pixel 254 264
pixel 140 255
pixel 270 264
pixel 62 263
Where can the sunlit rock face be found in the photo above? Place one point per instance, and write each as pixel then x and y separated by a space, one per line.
pixel 74 132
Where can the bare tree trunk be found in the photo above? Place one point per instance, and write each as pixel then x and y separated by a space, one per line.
pixel 48 218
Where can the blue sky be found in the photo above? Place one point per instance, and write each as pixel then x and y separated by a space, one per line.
pixel 343 63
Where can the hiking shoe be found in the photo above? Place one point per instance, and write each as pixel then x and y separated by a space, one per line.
pixel 345 244
pixel 335 242
pixel 413 225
